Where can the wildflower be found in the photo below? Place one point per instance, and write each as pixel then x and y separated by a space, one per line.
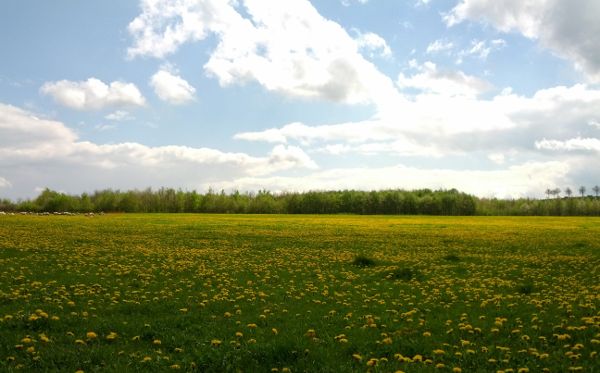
pixel 156 342
pixel 146 359
pixel 426 334
pixel 387 341
pixel 457 370
pixel 357 356
pixel 439 365
pixel 30 350
pixel 215 342
pixel 136 338
pixel 178 350
pixel 275 331
pixel 79 342
pixel 175 366
pixel 91 335
pixel 373 362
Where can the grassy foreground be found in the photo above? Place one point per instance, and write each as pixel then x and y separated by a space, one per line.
pixel 227 293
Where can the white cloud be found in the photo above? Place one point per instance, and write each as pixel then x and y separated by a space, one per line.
pixel 441 124
pixel 439 46
pixel 373 43
pixel 5 183
pixel 120 115
pixel 595 123
pixel 33 150
pixel 568 28
pixel 335 149
pixel 589 144
pixel 94 94
pixel 172 88
pixel 497 158
pixel 105 127
pixel 527 179
pixel 305 57
pixel 480 49
pixel 444 81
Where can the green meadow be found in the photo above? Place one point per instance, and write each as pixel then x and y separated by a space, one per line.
pixel 305 293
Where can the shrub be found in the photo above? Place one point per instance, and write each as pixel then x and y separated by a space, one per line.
pixel 363 261
pixel 404 274
pixel 451 258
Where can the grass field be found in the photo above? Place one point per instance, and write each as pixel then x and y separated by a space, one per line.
pixel 226 293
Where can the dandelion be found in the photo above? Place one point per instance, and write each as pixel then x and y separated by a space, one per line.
pixel 146 359
pixel 427 334
pixel 175 366
pixel 79 342
pixel 91 335
pixel 156 342
pixel 275 331
pixel 136 338
pixel 357 356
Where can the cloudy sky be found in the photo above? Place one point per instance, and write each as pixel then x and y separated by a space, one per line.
pixel 495 98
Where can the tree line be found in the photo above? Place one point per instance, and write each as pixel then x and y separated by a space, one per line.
pixel 385 202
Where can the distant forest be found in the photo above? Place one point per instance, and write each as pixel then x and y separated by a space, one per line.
pixel 386 202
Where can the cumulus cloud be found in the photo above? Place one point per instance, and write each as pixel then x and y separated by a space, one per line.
pixel 34 150
pixel 172 88
pixel 120 115
pixel 453 124
pixel 444 81
pixel 480 49
pixel 439 46
pixel 523 180
pixel 589 144
pixel 5 183
pixel 373 43
pixel 307 56
pixel 568 28
pixel 93 94
pixel 497 158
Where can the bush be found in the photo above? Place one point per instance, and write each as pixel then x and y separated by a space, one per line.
pixel 363 261
pixel 452 258
pixel 525 288
pixel 403 274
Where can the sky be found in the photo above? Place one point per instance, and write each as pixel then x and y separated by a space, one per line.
pixel 494 98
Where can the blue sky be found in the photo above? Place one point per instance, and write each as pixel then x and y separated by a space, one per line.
pixel 499 99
